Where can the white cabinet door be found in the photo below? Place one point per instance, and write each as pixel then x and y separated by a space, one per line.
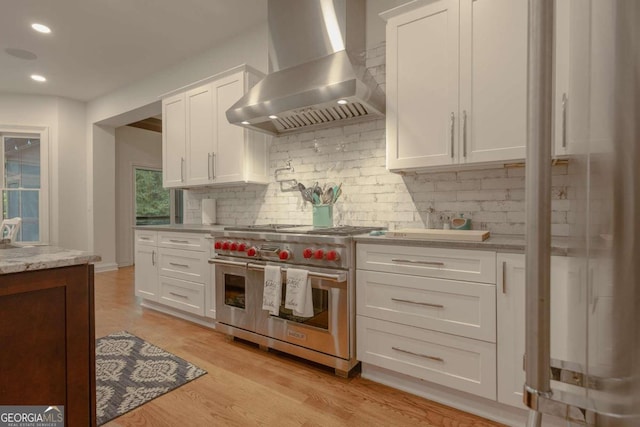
pixel 200 143
pixel 174 137
pixel 510 299
pixel 146 272
pixel 229 156
pixel 493 80
pixel 422 86
pixel 510 303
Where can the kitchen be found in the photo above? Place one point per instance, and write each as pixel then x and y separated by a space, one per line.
pixel 354 155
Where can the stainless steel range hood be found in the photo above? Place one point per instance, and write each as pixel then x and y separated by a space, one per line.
pixel 317 70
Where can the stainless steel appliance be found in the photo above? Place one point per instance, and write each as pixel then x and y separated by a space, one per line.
pixel 597 381
pixel 318 76
pixel 328 254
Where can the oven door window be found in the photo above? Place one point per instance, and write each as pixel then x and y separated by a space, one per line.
pixel 320 317
pixel 235 290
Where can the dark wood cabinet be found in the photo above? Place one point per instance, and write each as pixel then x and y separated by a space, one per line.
pixel 47 341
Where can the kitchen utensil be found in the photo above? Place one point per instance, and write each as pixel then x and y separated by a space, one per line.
pixel 337 191
pixel 327 196
pixel 316 199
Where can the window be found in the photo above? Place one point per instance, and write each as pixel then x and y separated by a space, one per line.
pixel 24 183
pixel 153 203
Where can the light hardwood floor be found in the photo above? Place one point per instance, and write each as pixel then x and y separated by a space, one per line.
pixel 246 386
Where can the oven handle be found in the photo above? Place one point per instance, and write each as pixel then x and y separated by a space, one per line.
pixel 226 262
pixel 338 278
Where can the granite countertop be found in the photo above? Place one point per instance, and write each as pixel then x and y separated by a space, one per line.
pixel 28 258
pixel 185 228
pixel 499 243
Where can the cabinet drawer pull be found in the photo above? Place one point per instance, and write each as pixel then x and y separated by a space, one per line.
pixel 411 261
pixel 453 121
pixel 144 238
pixel 437 359
pixel 179 265
pixel 428 304
pixel 464 133
pixel 178 241
pixel 178 295
pixel 504 277
pixel 564 120
pixel 181 169
pixel 153 257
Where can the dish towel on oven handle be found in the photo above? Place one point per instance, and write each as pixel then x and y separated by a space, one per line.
pixel 298 293
pixel 272 293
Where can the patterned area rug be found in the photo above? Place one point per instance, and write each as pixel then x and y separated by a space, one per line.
pixel 131 372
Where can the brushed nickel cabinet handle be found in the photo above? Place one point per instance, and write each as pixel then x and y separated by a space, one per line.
pixel 213 166
pixel 153 257
pixel 411 261
pixel 209 166
pixel 178 241
pixel 464 133
pixel 178 295
pixel 181 169
pixel 504 277
pixel 426 356
pixel 453 121
pixel 179 265
pixel 564 120
pixel 428 304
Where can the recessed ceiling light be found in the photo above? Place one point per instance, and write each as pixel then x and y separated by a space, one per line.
pixel 41 28
pixel 38 78
pixel 342 101
pixel 244 122
pixel 273 117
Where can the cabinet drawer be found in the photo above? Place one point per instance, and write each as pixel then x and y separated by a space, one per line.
pixel 459 308
pixel 184 265
pixel 456 362
pixel 468 265
pixel 193 242
pixel 146 237
pixel 183 295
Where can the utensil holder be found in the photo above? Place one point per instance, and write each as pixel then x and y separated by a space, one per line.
pixel 323 216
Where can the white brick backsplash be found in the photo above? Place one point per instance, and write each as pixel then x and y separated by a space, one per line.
pixel 354 155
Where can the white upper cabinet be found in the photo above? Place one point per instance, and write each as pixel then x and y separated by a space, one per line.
pixel 456 83
pixel 174 129
pixel 584 77
pixel 212 151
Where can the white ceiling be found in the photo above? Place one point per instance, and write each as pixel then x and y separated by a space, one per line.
pixel 97 46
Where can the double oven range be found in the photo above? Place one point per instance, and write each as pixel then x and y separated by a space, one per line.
pixel 240 255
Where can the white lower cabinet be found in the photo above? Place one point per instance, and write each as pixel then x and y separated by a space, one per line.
pixel 146 271
pixel 510 303
pixel 418 314
pixel 449 360
pixel 171 269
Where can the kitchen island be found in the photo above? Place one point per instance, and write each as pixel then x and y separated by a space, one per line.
pixel 47 330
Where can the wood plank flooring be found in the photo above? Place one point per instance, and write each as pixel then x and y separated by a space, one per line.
pixel 246 386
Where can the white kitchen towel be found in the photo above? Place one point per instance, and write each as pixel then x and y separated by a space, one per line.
pixel 272 293
pixel 298 293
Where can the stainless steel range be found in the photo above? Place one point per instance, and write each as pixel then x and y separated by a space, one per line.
pixel 328 254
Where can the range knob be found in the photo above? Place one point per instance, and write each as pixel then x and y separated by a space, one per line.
pixel 319 254
pixel 284 254
pixel 225 246
pixel 233 246
pixel 333 255
pixel 252 251
pixel 242 247
pixel 307 253
pixel 217 245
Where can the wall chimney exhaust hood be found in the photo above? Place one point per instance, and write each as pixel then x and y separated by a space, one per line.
pixel 317 70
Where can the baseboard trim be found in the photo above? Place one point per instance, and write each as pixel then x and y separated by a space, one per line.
pixel 462 401
pixel 101 267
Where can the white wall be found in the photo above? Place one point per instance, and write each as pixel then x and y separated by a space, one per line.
pixel 65 120
pixel 134 147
